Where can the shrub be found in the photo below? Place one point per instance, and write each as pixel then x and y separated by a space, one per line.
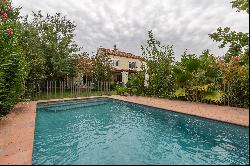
pixel 12 64
pixel 135 84
pixel 121 90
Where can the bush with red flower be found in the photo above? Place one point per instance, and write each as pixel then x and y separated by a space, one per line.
pixel 12 65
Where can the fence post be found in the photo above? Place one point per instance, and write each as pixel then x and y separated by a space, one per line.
pixel 73 90
pixel 87 88
pixel 97 87
pixel 60 89
pixel 80 88
pixel 47 90
pixel 91 83
pixel 90 88
pixel 55 89
pixel 224 93
pixel 63 84
pixel 101 88
pixel 39 91
pixel 109 88
pixel 196 95
pixel 228 91
pixel 106 88
pixel 77 89
pixel 63 88
pixel 80 84
pixel 70 88
pixel 107 84
pixel 35 89
pixel 61 95
pixel 76 92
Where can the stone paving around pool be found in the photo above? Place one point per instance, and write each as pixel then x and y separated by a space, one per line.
pixel 17 135
pixel 238 116
pixel 17 128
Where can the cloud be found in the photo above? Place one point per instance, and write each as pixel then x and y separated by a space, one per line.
pixel 184 24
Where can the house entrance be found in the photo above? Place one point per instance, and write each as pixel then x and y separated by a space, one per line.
pixel 118 77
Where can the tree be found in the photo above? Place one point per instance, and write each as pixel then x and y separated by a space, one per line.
pixel 241 5
pixel 30 42
pixel 238 42
pixel 236 76
pixel 197 78
pixel 48 43
pixel 102 67
pixel 135 83
pixel 159 60
pixel 12 64
pixel 83 65
pixel 186 71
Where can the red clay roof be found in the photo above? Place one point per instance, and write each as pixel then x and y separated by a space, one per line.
pixel 119 53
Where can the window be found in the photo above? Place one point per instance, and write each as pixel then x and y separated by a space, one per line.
pixel 115 62
pixel 131 65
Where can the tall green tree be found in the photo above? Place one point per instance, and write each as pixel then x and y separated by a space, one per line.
pixel 48 43
pixel 159 60
pixel 238 42
pixel 12 64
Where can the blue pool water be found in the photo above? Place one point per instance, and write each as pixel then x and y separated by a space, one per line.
pixel 105 131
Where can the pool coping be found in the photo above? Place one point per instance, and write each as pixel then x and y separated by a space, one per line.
pixel 183 113
pixel 165 104
pixel 17 128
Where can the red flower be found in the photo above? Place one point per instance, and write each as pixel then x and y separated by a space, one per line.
pixel 4 15
pixel 9 32
pixel 4 1
pixel 9 8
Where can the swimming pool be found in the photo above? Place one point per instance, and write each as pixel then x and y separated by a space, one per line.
pixel 107 131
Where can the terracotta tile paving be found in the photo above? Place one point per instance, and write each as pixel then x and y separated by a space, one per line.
pixel 17 135
pixel 17 128
pixel 239 116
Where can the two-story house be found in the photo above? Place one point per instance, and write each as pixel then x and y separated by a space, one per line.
pixel 123 64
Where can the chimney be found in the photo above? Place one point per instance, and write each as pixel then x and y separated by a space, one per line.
pixel 115 47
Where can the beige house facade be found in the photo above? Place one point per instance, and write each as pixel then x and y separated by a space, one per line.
pixel 123 64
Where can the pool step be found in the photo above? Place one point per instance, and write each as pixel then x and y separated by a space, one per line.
pixel 71 102
pixel 74 106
